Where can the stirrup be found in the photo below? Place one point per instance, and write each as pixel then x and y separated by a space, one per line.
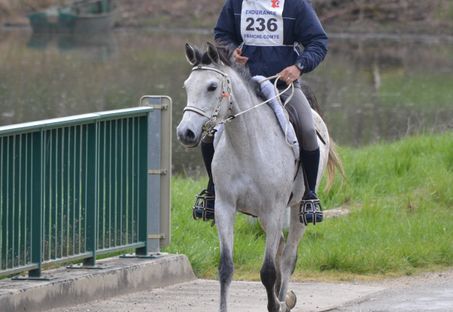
pixel 204 206
pixel 310 211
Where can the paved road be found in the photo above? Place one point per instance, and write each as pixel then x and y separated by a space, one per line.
pixel 202 295
pixel 430 292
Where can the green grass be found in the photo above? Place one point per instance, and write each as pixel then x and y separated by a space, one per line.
pixel 401 221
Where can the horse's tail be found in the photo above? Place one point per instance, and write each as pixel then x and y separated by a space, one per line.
pixel 334 163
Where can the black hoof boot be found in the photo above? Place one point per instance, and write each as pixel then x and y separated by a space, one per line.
pixel 310 210
pixel 204 206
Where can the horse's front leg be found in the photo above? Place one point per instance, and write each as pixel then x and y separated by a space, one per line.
pixel 224 218
pixel 270 271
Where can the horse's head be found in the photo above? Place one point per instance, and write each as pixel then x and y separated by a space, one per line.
pixel 208 95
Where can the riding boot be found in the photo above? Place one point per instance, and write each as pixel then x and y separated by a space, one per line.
pixel 310 209
pixel 204 202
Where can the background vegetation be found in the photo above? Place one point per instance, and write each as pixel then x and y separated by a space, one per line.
pixel 401 220
pixel 413 16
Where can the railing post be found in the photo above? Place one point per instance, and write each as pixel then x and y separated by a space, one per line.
pixel 92 172
pixel 159 172
pixel 153 198
pixel 36 202
pixel 165 164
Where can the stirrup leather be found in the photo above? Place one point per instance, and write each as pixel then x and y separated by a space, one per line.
pixel 310 211
pixel 200 209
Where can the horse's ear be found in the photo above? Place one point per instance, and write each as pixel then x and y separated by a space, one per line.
pixel 213 53
pixel 192 55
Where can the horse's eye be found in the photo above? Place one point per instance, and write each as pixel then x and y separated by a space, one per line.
pixel 212 87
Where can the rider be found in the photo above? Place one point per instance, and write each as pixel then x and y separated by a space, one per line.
pixel 266 36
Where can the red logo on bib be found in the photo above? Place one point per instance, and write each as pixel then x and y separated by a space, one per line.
pixel 275 3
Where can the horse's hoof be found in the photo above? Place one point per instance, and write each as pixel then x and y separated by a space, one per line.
pixel 283 308
pixel 290 300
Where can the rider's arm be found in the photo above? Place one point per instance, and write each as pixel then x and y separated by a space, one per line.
pixel 225 30
pixel 310 33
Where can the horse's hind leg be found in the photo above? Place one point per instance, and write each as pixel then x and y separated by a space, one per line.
pixel 225 227
pixel 281 247
pixel 289 259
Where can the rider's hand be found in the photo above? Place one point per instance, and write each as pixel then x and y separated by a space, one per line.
pixel 290 74
pixel 237 55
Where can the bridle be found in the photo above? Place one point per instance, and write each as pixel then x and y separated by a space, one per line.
pixel 227 95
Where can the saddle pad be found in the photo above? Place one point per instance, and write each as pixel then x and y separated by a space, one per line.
pixel 268 90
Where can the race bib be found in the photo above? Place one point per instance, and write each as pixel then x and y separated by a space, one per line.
pixel 262 22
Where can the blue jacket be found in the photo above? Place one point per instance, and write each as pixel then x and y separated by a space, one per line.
pixel 301 26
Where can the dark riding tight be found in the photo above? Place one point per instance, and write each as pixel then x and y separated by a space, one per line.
pixel 207 151
pixel 300 116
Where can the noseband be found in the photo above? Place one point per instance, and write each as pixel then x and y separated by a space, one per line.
pixel 226 95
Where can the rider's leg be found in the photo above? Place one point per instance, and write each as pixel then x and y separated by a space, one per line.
pixel 301 117
pixel 204 203
pixel 207 152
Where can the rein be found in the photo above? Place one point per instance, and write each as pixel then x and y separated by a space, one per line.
pixel 227 93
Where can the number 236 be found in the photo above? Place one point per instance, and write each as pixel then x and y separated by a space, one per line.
pixel 260 24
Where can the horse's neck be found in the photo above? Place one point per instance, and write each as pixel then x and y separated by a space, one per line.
pixel 249 130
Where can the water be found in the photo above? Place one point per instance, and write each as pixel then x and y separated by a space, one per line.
pixel 371 88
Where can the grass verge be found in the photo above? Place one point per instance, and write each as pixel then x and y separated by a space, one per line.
pixel 401 201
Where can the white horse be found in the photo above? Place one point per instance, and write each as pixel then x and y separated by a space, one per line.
pixel 254 169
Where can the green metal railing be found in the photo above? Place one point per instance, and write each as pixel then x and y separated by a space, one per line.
pixel 77 187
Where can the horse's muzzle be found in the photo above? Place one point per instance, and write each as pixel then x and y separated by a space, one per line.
pixel 187 136
pixel 190 129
